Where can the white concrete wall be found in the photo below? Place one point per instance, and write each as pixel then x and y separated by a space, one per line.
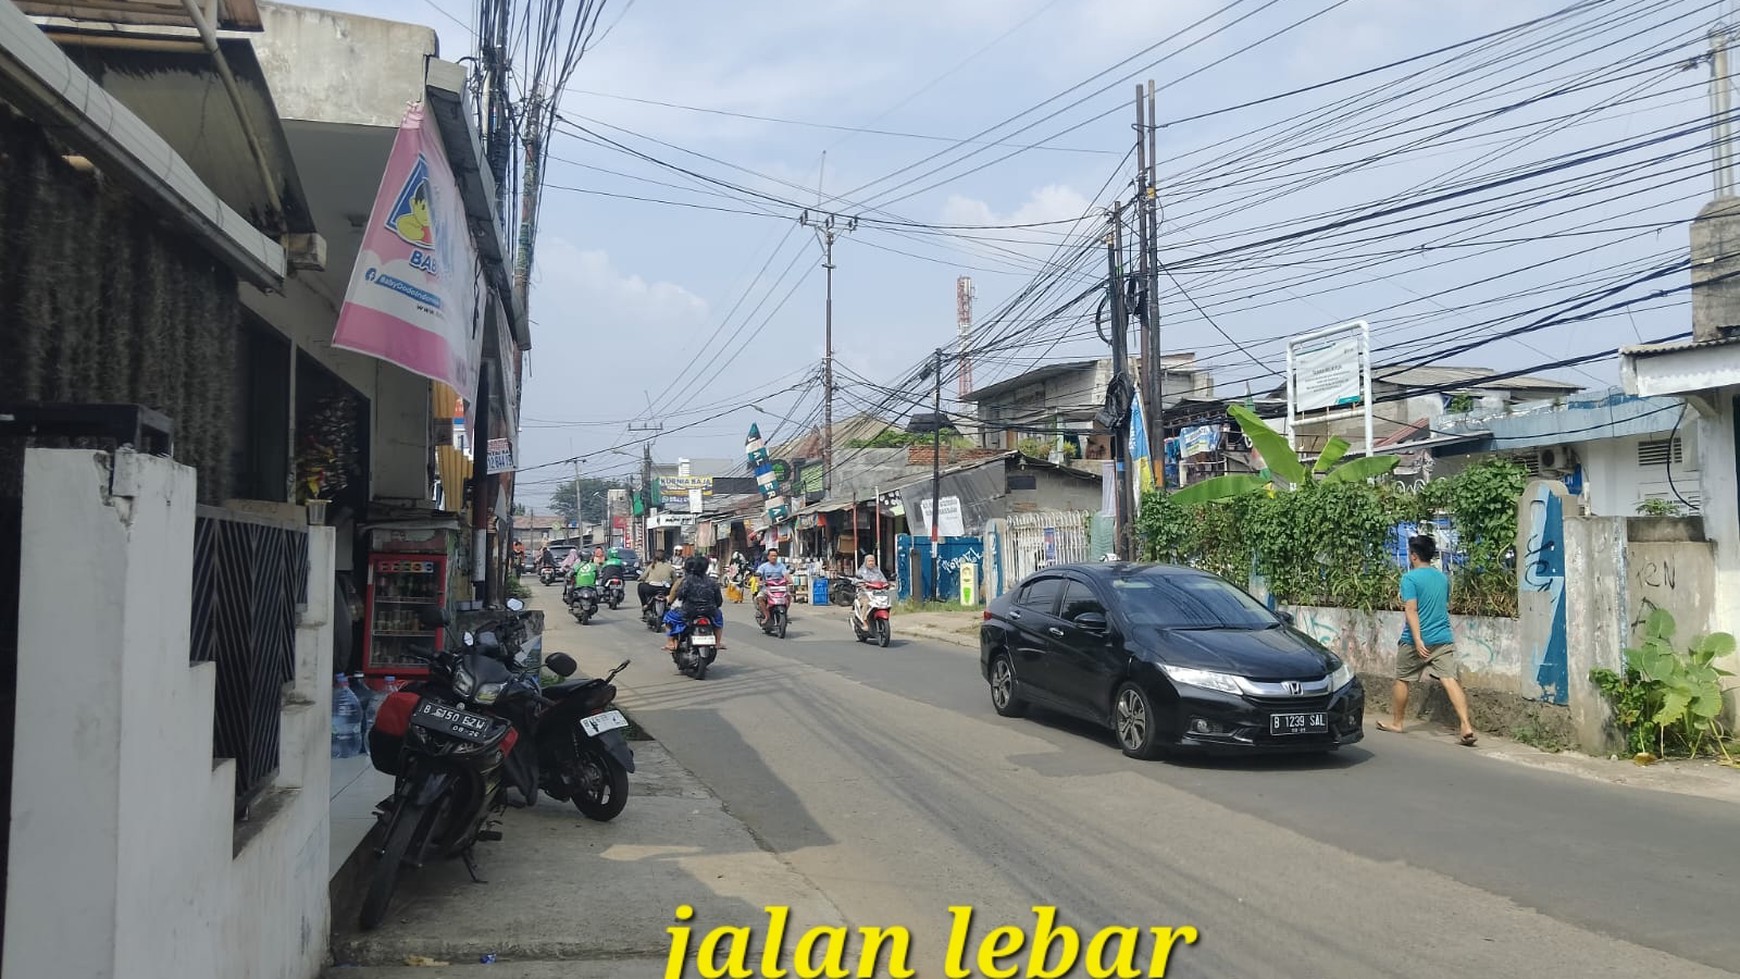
pixel 1721 512
pixel 1488 649
pixel 124 857
pixel 1614 482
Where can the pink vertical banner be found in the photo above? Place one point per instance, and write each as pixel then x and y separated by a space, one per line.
pixel 415 294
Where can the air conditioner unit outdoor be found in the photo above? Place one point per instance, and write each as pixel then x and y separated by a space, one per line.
pixel 1556 460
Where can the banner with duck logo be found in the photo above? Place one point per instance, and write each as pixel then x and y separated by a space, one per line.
pixel 416 295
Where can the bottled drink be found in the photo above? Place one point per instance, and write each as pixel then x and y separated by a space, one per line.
pixel 347 720
pixel 374 704
pixel 365 696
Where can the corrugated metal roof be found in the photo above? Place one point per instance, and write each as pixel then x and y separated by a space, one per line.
pixel 1646 349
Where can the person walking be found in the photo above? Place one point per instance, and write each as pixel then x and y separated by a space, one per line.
pixel 1428 647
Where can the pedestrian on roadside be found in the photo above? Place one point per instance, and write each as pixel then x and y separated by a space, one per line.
pixel 1428 647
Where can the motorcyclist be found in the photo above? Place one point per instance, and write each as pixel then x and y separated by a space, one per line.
pixel 771 567
pixel 869 573
pixel 656 578
pixel 585 573
pixel 698 593
pixel 546 558
pixel 611 567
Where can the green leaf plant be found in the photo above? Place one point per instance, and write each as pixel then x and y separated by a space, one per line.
pixel 1666 699
pixel 1284 470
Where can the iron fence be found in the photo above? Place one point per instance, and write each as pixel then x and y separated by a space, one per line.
pixel 249 575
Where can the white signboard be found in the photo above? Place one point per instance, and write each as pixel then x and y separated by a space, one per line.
pixel 1330 369
pixel 952 523
pixel 1327 373
pixel 501 456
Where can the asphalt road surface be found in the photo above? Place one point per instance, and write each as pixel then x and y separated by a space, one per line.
pixel 885 777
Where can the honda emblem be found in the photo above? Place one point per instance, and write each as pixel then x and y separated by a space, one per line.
pixel 1295 688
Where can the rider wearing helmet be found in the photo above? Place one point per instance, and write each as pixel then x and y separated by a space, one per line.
pixel 698 592
pixel 611 566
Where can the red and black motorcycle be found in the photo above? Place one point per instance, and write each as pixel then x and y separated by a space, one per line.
pixel 698 644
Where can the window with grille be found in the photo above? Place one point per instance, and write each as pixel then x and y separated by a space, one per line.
pixel 1657 452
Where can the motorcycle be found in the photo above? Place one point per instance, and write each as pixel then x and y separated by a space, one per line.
pixel 614 593
pixel 447 757
pixel 579 752
pixel 583 602
pixel 697 645
pixel 870 612
pixel 778 613
pixel 653 612
pixel 547 574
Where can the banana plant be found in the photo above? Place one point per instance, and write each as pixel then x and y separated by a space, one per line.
pixel 1283 470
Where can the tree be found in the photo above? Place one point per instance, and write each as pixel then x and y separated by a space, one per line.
pixel 1285 471
pixel 519 510
pixel 594 497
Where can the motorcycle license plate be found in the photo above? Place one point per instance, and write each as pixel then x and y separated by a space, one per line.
pixel 597 724
pixel 703 639
pixel 452 721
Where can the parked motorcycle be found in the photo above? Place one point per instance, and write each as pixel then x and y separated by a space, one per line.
pixel 870 612
pixel 447 756
pixel 614 593
pixel 697 645
pixel 778 613
pixel 580 754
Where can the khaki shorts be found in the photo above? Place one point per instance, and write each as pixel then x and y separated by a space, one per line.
pixel 1439 662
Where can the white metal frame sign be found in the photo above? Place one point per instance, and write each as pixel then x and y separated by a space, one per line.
pixel 1329 369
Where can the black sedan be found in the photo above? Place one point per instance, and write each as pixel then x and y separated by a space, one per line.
pixel 1167 657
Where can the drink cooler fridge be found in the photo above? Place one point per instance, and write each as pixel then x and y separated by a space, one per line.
pixel 399 587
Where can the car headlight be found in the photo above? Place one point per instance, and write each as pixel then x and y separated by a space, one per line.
pixel 487 693
pixel 1342 676
pixel 1207 679
pixel 463 681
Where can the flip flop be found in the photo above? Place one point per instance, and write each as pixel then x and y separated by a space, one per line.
pixel 1381 726
pixel 1467 740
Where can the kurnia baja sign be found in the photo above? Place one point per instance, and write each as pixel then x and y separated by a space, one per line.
pixel 415 295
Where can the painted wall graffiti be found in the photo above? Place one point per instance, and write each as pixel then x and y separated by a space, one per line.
pixel 1542 584
pixel 1488 649
pixel 952 565
pixel 1678 576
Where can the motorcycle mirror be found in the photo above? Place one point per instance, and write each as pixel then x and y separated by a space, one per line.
pixel 470 640
pixel 515 605
pixel 561 664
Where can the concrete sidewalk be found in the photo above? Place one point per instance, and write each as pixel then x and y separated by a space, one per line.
pixel 578 899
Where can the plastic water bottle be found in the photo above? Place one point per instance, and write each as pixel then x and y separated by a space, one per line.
pixel 368 698
pixel 374 705
pixel 347 721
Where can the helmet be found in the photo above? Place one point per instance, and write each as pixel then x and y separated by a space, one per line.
pixel 615 552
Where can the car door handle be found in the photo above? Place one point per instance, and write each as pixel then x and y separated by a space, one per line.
pixel 1054 630
pixel 1014 615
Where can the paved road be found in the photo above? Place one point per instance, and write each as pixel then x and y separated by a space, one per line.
pixel 885 778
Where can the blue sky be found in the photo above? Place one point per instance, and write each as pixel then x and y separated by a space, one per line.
pixel 627 291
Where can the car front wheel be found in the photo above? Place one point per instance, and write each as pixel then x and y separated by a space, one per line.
pixel 1135 723
pixel 1003 685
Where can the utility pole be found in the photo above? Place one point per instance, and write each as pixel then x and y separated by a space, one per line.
pixel 529 194
pixel 1721 109
pixel 1146 382
pixel 936 485
pixel 1120 376
pixel 828 228
pixel 482 483
pixel 579 506
pixel 645 544
pixel 1151 298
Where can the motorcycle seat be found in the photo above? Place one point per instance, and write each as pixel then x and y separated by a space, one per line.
pixel 570 688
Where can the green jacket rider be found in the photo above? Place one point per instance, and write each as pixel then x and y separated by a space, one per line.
pixel 586 574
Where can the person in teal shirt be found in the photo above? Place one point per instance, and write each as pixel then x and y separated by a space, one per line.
pixel 1427 647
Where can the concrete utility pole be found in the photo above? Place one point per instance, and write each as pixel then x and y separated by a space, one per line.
pixel 1151 296
pixel 529 193
pixel 828 227
pixel 646 513
pixel 1120 375
pixel 936 484
pixel 1721 111
pixel 1146 380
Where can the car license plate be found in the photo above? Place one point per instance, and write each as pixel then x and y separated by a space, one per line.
pixel 451 721
pixel 597 724
pixel 1298 723
pixel 703 639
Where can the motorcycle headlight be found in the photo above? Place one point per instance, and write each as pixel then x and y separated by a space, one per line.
pixel 1342 676
pixel 488 693
pixel 463 682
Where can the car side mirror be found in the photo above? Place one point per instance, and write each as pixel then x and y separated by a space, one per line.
pixel 1092 622
pixel 1286 616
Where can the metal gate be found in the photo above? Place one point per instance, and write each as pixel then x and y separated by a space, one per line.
pixel 1027 542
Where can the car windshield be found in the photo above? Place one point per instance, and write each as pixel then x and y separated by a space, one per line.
pixel 627 556
pixel 1189 601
